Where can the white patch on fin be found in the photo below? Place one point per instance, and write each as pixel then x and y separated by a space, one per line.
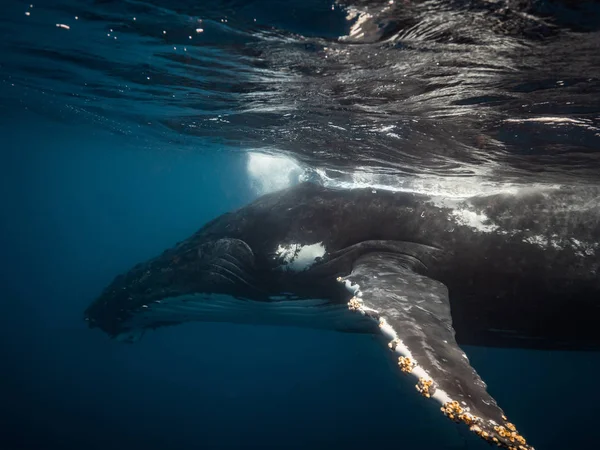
pixel 298 257
pixel 354 289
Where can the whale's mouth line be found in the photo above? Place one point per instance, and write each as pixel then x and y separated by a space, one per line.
pixel 282 310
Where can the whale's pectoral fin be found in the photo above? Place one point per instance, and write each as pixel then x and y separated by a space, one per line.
pixel 413 312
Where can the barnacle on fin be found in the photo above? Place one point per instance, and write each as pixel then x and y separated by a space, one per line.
pixel 502 435
pixel 480 432
pixel 425 387
pixel 393 344
pixel 354 304
pixel 468 419
pixel 406 364
pixel 455 412
pixel 452 408
pixel 475 429
pixel 509 432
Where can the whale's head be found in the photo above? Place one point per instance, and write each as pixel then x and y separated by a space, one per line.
pixel 270 262
pixel 185 281
pixel 222 279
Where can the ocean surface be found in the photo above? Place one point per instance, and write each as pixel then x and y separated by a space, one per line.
pixel 126 125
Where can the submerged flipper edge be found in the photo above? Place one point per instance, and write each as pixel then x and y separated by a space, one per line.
pixel 413 312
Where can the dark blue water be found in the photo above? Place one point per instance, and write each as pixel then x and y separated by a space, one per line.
pixel 113 149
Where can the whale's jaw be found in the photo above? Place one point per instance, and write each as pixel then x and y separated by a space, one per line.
pixel 278 311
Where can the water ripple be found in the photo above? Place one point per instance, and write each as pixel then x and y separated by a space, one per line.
pixel 499 89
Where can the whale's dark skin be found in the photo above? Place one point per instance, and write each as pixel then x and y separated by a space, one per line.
pixel 515 270
pixel 504 291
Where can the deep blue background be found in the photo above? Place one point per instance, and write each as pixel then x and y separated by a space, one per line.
pixel 80 205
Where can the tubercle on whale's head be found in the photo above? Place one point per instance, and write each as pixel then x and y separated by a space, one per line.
pixel 197 266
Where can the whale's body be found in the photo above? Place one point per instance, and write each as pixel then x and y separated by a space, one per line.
pixel 519 270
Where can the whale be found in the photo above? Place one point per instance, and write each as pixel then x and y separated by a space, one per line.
pixel 423 274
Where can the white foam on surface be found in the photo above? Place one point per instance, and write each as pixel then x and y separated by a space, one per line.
pixel 270 173
pixel 447 188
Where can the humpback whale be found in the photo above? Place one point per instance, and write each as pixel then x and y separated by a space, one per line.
pixel 423 274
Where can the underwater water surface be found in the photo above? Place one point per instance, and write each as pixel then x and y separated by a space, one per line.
pixel 113 149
